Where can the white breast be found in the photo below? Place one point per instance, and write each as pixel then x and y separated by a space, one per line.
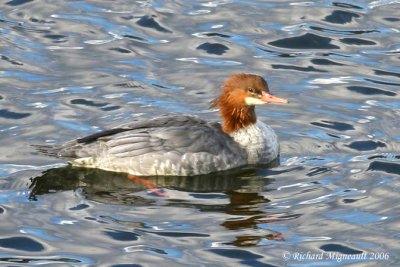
pixel 260 142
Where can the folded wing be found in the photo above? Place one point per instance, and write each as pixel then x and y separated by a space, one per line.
pixel 168 145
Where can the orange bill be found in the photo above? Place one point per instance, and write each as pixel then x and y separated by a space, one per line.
pixel 267 98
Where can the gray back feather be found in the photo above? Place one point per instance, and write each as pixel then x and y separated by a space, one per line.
pixel 176 134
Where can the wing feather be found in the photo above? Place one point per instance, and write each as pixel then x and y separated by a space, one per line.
pixel 176 135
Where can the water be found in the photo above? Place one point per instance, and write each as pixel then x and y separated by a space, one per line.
pixel 70 68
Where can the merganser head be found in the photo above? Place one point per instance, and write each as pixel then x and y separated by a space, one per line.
pixel 239 94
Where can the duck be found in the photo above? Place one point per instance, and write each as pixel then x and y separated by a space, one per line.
pixel 185 145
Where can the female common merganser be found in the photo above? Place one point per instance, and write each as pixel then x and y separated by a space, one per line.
pixel 182 145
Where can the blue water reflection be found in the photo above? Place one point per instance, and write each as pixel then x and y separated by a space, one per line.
pixel 70 68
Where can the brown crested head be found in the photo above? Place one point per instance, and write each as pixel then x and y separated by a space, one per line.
pixel 239 94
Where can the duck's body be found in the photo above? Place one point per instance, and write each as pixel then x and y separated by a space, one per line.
pixel 182 145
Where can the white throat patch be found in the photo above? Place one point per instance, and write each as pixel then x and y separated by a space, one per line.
pixel 251 101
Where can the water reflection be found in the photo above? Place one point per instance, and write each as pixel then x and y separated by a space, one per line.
pixel 241 185
pixel 236 192
pixel 75 67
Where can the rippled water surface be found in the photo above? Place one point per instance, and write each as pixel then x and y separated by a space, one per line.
pixel 70 68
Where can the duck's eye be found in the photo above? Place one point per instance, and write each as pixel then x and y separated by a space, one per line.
pixel 251 90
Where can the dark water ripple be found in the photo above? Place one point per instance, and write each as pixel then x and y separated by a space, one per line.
pixel 306 41
pixel 21 243
pixel 341 17
pixel 70 68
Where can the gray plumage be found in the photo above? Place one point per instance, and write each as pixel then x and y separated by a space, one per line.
pixel 169 145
